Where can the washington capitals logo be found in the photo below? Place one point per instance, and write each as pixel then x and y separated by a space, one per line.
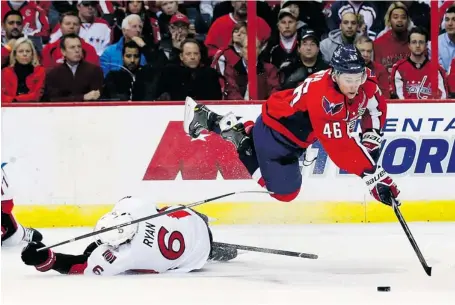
pixel 331 108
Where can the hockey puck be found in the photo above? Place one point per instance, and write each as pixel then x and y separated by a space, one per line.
pixel 384 288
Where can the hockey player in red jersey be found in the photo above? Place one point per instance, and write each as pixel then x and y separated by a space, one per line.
pixel 324 107
pixel 13 233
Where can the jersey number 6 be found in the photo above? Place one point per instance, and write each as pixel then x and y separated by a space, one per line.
pixel 167 250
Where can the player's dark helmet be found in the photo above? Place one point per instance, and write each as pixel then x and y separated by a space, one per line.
pixel 347 59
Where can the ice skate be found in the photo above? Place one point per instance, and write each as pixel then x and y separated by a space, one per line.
pixel 222 254
pixel 234 132
pixel 198 118
pixel 31 235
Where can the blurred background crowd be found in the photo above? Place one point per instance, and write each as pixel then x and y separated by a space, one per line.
pixel 56 51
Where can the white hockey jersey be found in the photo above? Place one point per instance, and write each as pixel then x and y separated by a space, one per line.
pixel 177 242
pixel 98 34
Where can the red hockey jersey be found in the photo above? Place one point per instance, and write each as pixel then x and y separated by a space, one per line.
pixel 332 118
pixel 388 50
pixel 220 33
pixel 35 18
pixel 412 81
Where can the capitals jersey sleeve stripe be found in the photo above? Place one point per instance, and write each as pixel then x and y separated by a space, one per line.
pixel 397 83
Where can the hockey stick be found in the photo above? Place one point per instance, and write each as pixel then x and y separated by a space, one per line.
pixel 148 217
pixel 269 251
pixel 410 237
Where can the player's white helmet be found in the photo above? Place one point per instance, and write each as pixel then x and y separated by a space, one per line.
pixel 117 236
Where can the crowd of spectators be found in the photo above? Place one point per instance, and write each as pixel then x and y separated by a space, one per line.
pixel 56 51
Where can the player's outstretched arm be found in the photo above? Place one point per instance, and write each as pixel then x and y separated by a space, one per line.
pixel 351 155
pixel 49 260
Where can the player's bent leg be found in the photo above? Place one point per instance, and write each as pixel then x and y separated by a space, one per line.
pixel 278 159
pixel 13 233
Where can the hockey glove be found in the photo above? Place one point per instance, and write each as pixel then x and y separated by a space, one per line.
pixel 43 260
pixel 381 186
pixel 372 139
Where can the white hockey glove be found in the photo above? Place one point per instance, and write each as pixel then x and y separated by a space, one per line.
pixel 381 185
pixel 372 140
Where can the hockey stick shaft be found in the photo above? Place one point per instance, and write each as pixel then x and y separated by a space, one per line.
pixel 147 218
pixel 268 251
pixel 410 237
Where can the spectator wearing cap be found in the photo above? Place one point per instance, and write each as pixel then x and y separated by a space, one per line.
pixel 446 41
pixel 23 80
pixel 293 7
pixel 118 84
pixel 309 61
pixel 75 79
pixel 309 15
pixel 393 45
pixel 179 29
pixel 112 58
pixel 171 46
pixel 93 30
pixel 12 26
pixel 284 51
pixel 189 78
pixel 451 79
pixel 365 45
pixel 220 31
pixel 237 76
pixel 367 9
pixel 345 35
pixel 70 23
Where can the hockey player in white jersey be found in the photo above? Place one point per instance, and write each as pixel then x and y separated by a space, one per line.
pixel 177 242
pixel 13 233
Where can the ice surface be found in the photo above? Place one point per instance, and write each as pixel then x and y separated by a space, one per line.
pixel 353 261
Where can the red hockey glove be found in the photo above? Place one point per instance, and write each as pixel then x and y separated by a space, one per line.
pixel 372 139
pixel 381 186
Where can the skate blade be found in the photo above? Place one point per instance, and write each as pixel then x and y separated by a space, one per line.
pixel 190 104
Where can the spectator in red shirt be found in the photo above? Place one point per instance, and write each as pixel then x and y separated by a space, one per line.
pixel 35 21
pixel 231 55
pixel 220 31
pixel 451 78
pixel 237 76
pixel 393 45
pixel 411 76
pixel 23 80
pixel 70 23
pixel 12 26
pixel 365 46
